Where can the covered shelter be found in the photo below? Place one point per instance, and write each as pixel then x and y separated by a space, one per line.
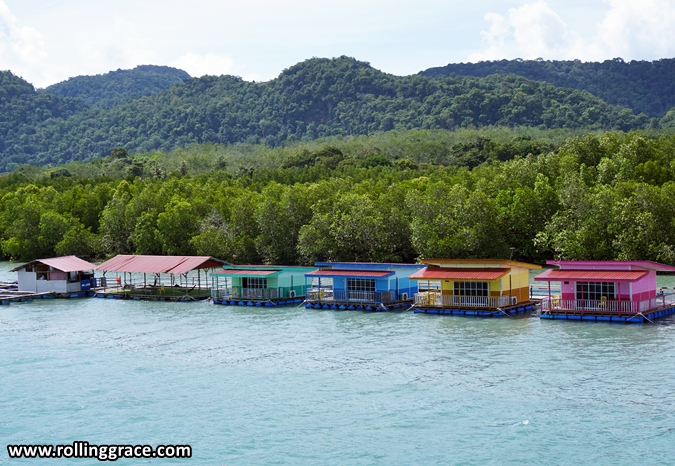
pixel 476 287
pixel 360 285
pixel 169 276
pixel 67 274
pixel 259 285
pixel 622 291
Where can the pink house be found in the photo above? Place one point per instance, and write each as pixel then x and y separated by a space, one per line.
pixel 622 291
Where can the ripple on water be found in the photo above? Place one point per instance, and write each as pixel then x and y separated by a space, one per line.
pixel 297 386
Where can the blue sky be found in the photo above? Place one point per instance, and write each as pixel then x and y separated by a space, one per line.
pixel 47 41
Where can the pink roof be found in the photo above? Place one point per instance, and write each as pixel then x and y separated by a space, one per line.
pixel 555 275
pixel 240 272
pixel 461 273
pixel 64 264
pixel 349 273
pixel 612 264
pixel 159 264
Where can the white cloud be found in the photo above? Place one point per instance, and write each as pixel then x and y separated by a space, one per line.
pixel 21 47
pixel 630 29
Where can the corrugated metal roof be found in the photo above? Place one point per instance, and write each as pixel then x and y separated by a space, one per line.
pixel 64 264
pixel 481 263
pixel 245 273
pixel 555 275
pixel 606 264
pixel 350 273
pixel 159 264
pixel 364 265
pixel 460 273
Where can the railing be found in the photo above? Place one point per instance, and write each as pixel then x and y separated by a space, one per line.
pixel 606 306
pixel 344 296
pixel 238 292
pixel 438 300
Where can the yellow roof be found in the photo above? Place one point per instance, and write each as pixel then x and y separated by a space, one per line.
pixel 479 263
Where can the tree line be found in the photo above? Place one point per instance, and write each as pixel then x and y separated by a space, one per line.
pixel 592 196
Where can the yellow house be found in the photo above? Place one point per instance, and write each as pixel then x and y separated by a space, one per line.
pixel 473 286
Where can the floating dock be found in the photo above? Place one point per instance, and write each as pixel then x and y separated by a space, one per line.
pixel 507 311
pixel 257 303
pixel 352 306
pixel 154 293
pixel 640 318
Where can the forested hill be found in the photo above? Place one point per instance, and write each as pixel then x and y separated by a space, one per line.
pixel 315 98
pixel 107 90
pixel 643 86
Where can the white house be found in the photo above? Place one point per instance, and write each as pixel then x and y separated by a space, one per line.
pixel 68 274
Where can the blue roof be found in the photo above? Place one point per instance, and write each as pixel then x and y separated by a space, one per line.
pixel 367 265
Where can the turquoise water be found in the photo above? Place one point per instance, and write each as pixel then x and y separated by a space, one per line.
pixel 296 386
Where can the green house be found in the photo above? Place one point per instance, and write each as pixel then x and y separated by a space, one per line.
pixel 259 285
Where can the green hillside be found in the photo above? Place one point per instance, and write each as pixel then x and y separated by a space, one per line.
pixel 107 90
pixel 315 98
pixel 643 86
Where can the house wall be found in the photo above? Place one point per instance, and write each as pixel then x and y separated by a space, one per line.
pixel 27 280
pixel 520 284
pixel 54 286
pixel 645 288
pixel 642 289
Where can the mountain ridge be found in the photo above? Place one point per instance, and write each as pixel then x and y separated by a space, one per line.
pixel 643 86
pixel 318 97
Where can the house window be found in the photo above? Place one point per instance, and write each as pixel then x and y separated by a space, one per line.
pixel 594 291
pixel 360 284
pixel 472 289
pixel 253 282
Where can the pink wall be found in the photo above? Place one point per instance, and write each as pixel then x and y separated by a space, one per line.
pixel 644 288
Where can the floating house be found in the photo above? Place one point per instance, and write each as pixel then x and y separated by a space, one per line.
pixel 610 291
pixel 158 278
pixel 360 286
pixel 259 285
pixel 68 276
pixel 473 287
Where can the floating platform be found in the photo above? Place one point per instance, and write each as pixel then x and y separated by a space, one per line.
pixel 139 294
pixel 8 296
pixel 509 311
pixel 644 317
pixel 257 303
pixel 357 307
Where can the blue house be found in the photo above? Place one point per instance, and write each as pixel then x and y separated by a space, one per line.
pixel 360 286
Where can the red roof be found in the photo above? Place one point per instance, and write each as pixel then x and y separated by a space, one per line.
pixel 248 273
pixel 159 264
pixel 349 273
pixel 64 264
pixel 555 275
pixel 460 273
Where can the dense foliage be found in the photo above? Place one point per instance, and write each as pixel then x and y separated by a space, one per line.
pixel 643 86
pixel 110 89
pixel 608 196
pixel 316 98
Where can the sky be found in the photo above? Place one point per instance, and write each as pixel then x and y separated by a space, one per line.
pixel 48 41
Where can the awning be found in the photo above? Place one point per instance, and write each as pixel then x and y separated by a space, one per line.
pixel 159 264
pixel 349 274
pixel 245 273
pixel 459 273
pixel 556 275
pixel 64 264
